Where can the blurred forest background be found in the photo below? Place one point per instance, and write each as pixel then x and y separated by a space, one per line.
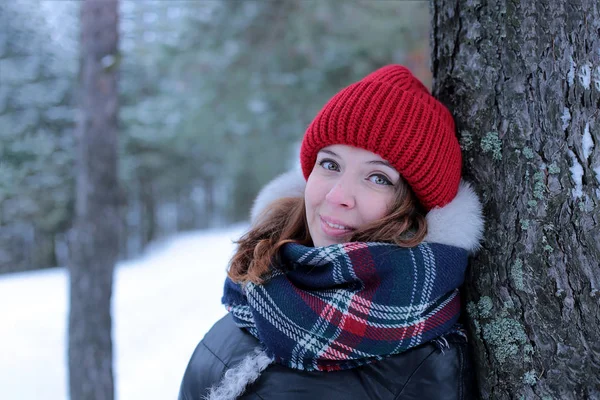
pixel 215 97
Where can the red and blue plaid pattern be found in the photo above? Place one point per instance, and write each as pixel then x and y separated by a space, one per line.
pixel 342 306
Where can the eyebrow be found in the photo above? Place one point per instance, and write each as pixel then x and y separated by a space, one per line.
pixel 329 152
pixel 381 162
pixel 373 162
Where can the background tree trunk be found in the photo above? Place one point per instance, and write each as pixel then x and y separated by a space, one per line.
pixel 148 210
pixel 522 79
pixel 94 242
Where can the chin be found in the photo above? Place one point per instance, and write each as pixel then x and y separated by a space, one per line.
pixel 324 242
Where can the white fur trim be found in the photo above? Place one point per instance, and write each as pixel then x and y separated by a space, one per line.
pixel 289 184
pixel 459 223
pixel 236 379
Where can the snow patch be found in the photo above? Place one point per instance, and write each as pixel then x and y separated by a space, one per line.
pixel 597 78
pixel 576 176
pixel 565 118
pixel 571 73
pixel 163 304
pixel 585 75
pixel 586 142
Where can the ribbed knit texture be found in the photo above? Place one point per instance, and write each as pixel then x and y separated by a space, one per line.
pixel 392 114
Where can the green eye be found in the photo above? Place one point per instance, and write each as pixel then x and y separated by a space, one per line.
pixel 380 180
pixel 329 165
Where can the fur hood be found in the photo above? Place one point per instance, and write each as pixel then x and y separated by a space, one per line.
pixel 459 223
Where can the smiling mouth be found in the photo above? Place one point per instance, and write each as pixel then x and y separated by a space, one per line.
pixel 336 226
pixel 335 229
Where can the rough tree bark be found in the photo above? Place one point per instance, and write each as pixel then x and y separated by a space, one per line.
pixel 94 240
pixel 523 81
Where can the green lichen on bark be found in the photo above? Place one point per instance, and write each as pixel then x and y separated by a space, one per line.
pixel 491 143
pixel 477 326
pixel 507 305
pixel 473 314
pixel 485 306
pixel 472 310
pixel 530 378
pixel 553 168
pixel 505 336
pixel 539 187
pixel 528 153
pixel 466 141
pixel 516 273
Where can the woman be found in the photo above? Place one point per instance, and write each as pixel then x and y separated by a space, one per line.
pixel 347 288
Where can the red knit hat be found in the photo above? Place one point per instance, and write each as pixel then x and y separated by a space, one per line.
pixel 392 114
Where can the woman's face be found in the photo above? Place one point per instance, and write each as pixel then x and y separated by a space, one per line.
pixel 347 189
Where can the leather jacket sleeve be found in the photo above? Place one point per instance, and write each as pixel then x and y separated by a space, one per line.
pixel 223 347
pixel 200 376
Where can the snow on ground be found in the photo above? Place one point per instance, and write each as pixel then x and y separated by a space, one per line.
pixel 163 303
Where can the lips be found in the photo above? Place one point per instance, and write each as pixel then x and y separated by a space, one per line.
pixel 335 228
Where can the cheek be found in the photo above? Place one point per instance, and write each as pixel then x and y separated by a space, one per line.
pixel 313 192
pixel 309 199
pixel 376 207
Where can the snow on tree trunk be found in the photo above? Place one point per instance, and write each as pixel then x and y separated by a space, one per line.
pixel 94 240
pixel 523 81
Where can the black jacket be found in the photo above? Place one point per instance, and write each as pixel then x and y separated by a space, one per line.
pixel 424 372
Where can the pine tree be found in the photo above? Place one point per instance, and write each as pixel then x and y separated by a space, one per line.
pixel 36 123
pixel 94 241
pixel 523 81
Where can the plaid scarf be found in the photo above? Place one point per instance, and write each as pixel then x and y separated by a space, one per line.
pixel 342 306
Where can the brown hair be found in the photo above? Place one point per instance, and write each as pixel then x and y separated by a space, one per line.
pixel 284 221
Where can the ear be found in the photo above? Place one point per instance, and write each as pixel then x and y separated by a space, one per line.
pixel 459 223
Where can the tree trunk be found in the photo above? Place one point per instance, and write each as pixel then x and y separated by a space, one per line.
pixel 522 79
pixel 148 210
pixel 43 251
pixel 94 240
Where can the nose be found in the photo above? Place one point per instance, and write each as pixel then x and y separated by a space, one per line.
pixel 341 194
